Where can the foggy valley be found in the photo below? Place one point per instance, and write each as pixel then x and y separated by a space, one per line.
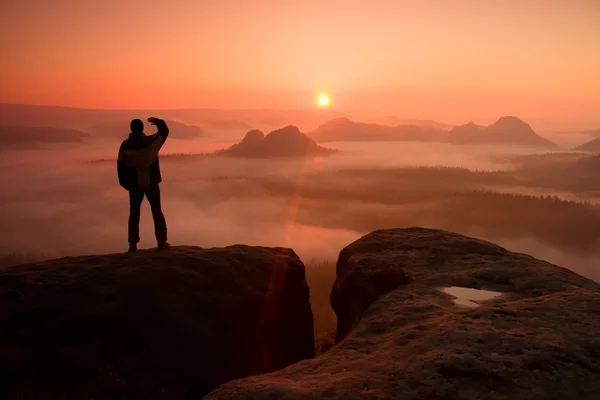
pixel 61 196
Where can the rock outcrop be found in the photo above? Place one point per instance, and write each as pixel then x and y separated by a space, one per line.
pixel 253 136
pixel 506 130
pixel 514 130
pixel 538 340
pixel 284 142
pixel 171 324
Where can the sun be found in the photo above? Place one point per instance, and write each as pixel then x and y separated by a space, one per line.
pixel 323 100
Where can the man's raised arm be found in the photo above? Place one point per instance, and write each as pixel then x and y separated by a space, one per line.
pixel 161 125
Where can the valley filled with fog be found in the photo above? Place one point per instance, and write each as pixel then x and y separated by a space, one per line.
pixel 64 199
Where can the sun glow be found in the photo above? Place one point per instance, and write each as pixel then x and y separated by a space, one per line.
pixel 323 100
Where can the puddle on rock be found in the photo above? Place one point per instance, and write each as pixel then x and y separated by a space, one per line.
pixel 467 297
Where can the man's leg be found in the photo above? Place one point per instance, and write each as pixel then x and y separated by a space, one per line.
pixel 136 196
pixel 160 225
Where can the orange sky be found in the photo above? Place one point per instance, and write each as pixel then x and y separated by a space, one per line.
pixel 429 58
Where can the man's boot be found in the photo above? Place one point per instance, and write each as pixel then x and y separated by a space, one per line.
pixel 164 246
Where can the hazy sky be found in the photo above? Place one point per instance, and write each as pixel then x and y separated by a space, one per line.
pixel 428 58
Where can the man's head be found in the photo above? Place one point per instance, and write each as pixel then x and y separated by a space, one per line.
pixel 136 126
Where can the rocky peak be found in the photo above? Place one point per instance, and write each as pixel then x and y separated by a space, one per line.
pixel 254 135
pixel 512 123
pixel 288 141
pixel 287 132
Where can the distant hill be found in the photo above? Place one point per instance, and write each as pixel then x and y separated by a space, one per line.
pixel 566 172
pixel 591 146
pixel 529 161
pixel 42 116
pixel 82 118
pixel 285 142
pixel 31 136
pixel 425 123
pixel 465 134
pixel 507 130
pixel 211 119
pixel 346 130
pixel 589 165
pixel 120 129
pixel 581 170
pixel 226 125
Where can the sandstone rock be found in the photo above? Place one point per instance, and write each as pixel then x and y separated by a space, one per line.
pixel 254 135
pixel 284 142
pixel 172 324
pixel 538 340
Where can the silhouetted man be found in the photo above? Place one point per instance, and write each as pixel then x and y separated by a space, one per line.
pixel 139 173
